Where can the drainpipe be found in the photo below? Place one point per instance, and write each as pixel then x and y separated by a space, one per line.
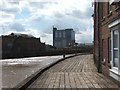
pixel 98 66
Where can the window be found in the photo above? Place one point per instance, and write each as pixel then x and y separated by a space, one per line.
pixel 115 48
pixel 63 34
pixel 59 44
pixel 109 8
pixel 55 43
pixel 9 44
pixel 115 40
pixel 110 50
pixel 60 34
pixel 56 34
pixel 103 49
pixel 103 10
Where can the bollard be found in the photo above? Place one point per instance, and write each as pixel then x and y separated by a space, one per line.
pixel 76 54
pixel 63 55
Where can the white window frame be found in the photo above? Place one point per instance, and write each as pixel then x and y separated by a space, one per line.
pixel 115 72
pixel 115 69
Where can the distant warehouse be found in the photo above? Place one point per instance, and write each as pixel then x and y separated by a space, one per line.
pixel 63 38
pixel 20 45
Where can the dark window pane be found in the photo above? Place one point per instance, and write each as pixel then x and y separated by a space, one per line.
pixel 115 39
pixel 115 48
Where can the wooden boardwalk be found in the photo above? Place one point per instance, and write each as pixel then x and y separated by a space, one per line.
pixel 76 72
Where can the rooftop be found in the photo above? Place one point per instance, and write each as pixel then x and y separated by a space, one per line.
pixel 19 34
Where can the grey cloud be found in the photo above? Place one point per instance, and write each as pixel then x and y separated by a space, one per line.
pixel 89 12
pixel 48 29
pixel 41 4
pixel 35 19
pixel 17 26
pixel 6 16
pixel 58 15
pixel 9 7
pixel 77 13
pixel 60 25
pixel 15 3
pixel 10 10
pixel 43 35
pixel 77 31
pixel 81 15
pixel 84 38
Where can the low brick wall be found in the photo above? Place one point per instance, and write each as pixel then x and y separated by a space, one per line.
pixel 7 55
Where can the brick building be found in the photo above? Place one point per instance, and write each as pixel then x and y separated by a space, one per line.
pixel 107 38
pixel 21 45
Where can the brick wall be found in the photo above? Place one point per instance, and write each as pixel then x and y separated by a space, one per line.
pixel 104 33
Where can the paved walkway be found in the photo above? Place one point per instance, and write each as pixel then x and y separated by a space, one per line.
pixel 76 72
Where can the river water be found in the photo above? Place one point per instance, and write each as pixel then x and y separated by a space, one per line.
pixel 15 71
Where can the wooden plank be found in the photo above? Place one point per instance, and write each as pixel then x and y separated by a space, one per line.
pixel 78 83
pixel 80 76
pixel 72 81
pixel 77 72
pixel 47 82
pixel 57 84
pixel 62 80
pixel 52 80
pixel 67 80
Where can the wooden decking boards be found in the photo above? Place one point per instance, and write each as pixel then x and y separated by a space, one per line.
pixel 77 72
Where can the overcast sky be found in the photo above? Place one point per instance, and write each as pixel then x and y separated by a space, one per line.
pixel 36 17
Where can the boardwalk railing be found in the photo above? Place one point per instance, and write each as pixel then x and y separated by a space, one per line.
pixel 6 55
